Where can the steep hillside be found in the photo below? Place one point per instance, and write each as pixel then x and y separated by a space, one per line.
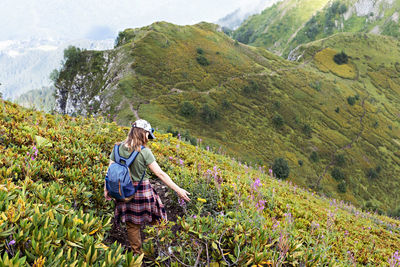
pixel 52 211
pixel 290 23
pixel 252 104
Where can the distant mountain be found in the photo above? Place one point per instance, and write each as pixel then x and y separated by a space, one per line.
pixel 289 23
pixel 26 65
pixel 338 125
pixel 233 20
pixel 39 99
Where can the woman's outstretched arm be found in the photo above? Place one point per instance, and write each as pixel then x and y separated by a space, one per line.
pixel 182 193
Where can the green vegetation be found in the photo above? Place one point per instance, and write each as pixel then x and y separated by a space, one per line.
pixel 337 174
pixel 278 120
pixel 202 60
pixel 159 72
pixel 351 100
pixel 281 168
pixel 60 184
pixel 307 130
pixel 188 109
pixel 340 160
pixel 373 173
pixel 341 58
pixel 342 187
pixel 289 23
pixel 314 156
pixel 208 114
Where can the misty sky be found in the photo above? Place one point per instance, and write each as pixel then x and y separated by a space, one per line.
pixel 100 19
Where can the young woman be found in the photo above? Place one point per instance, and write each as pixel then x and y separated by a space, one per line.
pixel 146 205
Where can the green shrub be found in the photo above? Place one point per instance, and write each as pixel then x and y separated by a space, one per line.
pixel 342 9
pixel 200 51
pixel 226 104
pixel 341 58
pixel 316 85
pixel 277 120
pixel 342 187
pixel 351 100
pixel 337 174
pixel 314 156
pixel 202 60
pixel 372 174
pixel 307 130
pixel 208 114
pixel 340 160
pixel 187 109
pixel 281 168
pixel 251 88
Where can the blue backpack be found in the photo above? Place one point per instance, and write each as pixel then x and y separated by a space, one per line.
pixel 118 181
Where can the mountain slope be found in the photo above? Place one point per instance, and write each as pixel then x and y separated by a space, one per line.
pixel 325 121
pixel 287 24
pixel 52 172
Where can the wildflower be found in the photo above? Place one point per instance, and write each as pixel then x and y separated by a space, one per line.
pixel 208 148
pixel 171 158
pixel 77 221
pixel 181 162
pixel 181 202
pixel 194 216
pixel 256 184
pixel 260 205
pixel 12 243
pixel 201 200
pixel 394 259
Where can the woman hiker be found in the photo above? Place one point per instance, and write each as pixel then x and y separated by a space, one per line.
pixel 145 205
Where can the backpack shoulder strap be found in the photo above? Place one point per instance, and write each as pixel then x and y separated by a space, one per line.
pixel 116 154
pixel 132 157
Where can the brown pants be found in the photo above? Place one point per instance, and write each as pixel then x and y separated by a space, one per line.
pixel 135 240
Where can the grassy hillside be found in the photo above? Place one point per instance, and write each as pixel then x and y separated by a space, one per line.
pixel 53 213
pixel 325 120
pixel 287 24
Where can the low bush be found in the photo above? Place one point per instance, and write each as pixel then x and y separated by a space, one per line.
pixel 314 156
pixel 351 100
pixel 208 114
pixel 187 109
pixel 337 174
pixel 342 187
pixel 277 120
pixel 202 60
pixel 281 168
pixel 341 58
pixel 340 160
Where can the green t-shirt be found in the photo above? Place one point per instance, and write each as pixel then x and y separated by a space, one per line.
pixel 143 159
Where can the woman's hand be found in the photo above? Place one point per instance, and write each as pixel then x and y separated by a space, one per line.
pixel 106 196
pixel 182 193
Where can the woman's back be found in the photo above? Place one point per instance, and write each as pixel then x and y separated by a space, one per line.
pixel 143 159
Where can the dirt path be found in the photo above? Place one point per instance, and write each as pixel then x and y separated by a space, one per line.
pixel 348 146
pixel 135 111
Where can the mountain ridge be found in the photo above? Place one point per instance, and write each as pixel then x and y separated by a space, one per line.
pixel 256 105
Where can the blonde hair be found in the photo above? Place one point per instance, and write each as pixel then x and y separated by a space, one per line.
pixel 136 138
